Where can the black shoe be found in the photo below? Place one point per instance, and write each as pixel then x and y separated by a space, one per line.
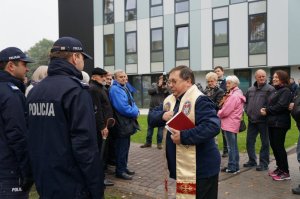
pixel 130 172
pixel 146 145
pixel 296 190
pixel 224 155
pixel 261 168
pixel 108 183
pixel 124 176
pixel 250 164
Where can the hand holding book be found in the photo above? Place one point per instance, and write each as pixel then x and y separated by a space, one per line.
pixel 179 122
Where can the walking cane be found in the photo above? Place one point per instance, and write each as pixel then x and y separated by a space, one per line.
pixel 110 122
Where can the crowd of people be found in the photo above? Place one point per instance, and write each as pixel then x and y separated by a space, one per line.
pixel 63 130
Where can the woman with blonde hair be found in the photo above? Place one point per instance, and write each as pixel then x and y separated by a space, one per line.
pixel 40 73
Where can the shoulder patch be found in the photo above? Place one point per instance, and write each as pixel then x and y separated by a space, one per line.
pixel 12 86
pixel 81 83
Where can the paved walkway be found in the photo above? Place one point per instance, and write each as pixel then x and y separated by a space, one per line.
pixel 248 184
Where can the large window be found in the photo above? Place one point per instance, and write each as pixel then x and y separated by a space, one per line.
pixel 131 48
pixel 181 6
pixel 108 11
pixel 157 54
pixel 156 8
pixel 220 38
pixel 258 34
pixel 182 43
pixel 109 50
pixel 245 79
pixel 130 10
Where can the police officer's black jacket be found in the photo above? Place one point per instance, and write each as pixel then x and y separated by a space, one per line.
pixel 62 136
pixel 14 160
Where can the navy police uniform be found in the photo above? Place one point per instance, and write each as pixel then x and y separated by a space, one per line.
pixel 62 136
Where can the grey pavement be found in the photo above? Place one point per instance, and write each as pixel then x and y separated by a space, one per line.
pixel 148 181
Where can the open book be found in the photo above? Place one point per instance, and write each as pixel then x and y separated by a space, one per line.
pixel 179 122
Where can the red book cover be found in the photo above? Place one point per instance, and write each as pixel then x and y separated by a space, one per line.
pixel 180 122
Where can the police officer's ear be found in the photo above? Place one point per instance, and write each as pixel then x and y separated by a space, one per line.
pixel 10 67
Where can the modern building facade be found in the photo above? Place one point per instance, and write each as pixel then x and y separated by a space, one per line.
pixel 148 37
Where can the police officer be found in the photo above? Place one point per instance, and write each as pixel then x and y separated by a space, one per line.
pixel 15 172
pixel 62 130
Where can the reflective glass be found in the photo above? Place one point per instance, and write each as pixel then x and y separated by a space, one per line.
pixel 182 6
pixel 109 45
pixel 156 11
pixel 221 34
pixel 182 40
pixel 182 54
pixel 131 42
pixel 157 56
pixel 257 48
pixel 221 51
pixel 257 27
pixel 157 41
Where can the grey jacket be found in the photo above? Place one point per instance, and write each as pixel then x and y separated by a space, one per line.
pixel 256 98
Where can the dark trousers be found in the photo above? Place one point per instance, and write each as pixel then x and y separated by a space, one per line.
pixel 253 130
pixel 122 146
pixel 207 188
pixel 11 189
pixel 150 134
pixel 277 139
pixel 225 149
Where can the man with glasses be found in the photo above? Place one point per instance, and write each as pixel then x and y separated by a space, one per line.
pixel 15 171
pixel 62 130
pixel 193 158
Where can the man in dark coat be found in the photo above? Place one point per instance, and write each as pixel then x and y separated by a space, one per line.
pixel 103 111
pixel 62 131
pixel 15 171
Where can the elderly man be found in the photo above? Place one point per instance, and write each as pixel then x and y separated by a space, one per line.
pixel 62 129
pixel 192 155
pixel 15 172
pixel 125 113
pixel 256 98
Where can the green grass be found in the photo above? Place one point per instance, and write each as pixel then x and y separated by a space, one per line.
pixel 291 138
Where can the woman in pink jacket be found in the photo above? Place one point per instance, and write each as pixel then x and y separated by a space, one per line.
pixel 230 115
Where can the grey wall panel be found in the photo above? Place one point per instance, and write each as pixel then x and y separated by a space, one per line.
pixel 195 40
pixel 169 42
pixel 120 46
pixel 294 32
pixel 142 9
pixel 98 12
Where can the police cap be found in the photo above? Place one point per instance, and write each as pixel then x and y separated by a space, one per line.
pixel 69 44
pixel 14 54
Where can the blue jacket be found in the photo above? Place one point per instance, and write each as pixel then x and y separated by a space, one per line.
pixel 207 127
pixel 14 159
pixel 122 102
pixel 62 136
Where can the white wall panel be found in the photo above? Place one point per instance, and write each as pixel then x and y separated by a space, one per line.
pixel 238 36
pixel 130 26
pixel 257 7
pixel 183 62
pixel 220 13
pixel 143 46
pixel 157 22
pixel 168 7
pixel 206 39
pixel 157 67
pixel 182 18
pixel 119 11
pixel 277 33
pixel 258 60
pixel 206 4
pixel 109 29
pixel 131 68
pixel 98 46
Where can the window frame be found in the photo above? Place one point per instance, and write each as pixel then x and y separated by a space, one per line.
pixel 181 1
pixel 162 40
pixel 154 6
pixel 128 10
pixel 214 37
pixel 109 13
pixel 136 45
pixel 257 40
pixel 176 39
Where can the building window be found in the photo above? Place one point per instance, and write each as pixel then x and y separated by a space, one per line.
pixel 130 10
pixel 220 38
pixel 131 48
pixel 182 43
pixel 181 6
pixel 109 50
pixel 156 8
pixel 108 11
pixel 237 1
pixel 245 79
pixel 157 54
pixel 257 34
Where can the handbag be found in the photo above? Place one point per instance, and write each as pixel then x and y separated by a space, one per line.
pixel 125 126
pixel 243 126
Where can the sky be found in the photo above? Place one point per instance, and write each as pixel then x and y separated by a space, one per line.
pixel 25 22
